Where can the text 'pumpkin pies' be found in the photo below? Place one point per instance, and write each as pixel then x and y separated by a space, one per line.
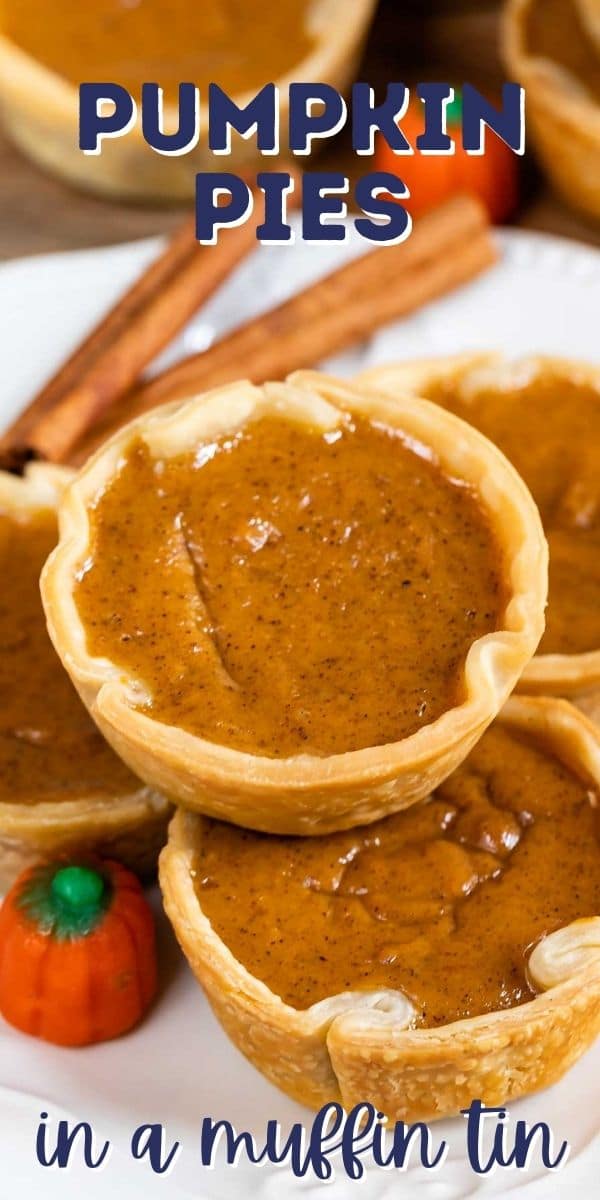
pixel 61 786
pixel 296 607
pixel 447 953
pixel 544 414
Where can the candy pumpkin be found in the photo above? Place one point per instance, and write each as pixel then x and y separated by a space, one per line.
pixel 432 178
pixel 77 952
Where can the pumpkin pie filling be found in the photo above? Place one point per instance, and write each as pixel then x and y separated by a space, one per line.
pixel 549 428
pixel 443 901
pixel 163 40
pixel 50 749
pixel 287 590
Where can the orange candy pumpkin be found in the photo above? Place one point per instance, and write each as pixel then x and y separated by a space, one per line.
pixel 492 176
pixel 77 952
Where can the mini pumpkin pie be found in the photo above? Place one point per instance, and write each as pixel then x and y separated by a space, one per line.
pixel 544 414
pixel 61 786
pixel 47 50
pixel 445 953
pixel 552 47
pixel 296 607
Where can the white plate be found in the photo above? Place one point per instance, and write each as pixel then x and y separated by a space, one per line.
pixel 544 296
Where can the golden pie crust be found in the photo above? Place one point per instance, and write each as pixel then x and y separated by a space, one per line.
pixel 304 794
pixel 131 827
pixel 574 675
pixel 562 114
pixel 358 1046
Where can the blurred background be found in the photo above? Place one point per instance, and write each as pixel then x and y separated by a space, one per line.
pixel 548 45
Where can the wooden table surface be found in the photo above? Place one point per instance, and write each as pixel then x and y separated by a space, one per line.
pixel 456 41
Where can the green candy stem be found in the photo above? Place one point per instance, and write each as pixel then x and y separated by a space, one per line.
pixel 78 887
pixel 454 110
pixel 65 901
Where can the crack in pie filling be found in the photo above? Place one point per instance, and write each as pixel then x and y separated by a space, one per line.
pixel 296 607
pixel 444 953
pixel 60 782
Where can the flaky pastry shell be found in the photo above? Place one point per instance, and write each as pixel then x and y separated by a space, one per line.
pixel 562 114
pixel 304 794
pixel 359 1046
pixel 574 675
pixel 129 827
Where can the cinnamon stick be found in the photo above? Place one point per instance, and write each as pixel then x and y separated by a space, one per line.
pixel 448 247
pixel 13 441
pixel 111 359
pixel 433 236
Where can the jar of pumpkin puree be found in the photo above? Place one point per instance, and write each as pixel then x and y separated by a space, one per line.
pixel 47 50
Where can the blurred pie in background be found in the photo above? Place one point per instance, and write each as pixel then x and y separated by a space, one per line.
pixel 552 47
pixel 162 41
pixel 47 50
